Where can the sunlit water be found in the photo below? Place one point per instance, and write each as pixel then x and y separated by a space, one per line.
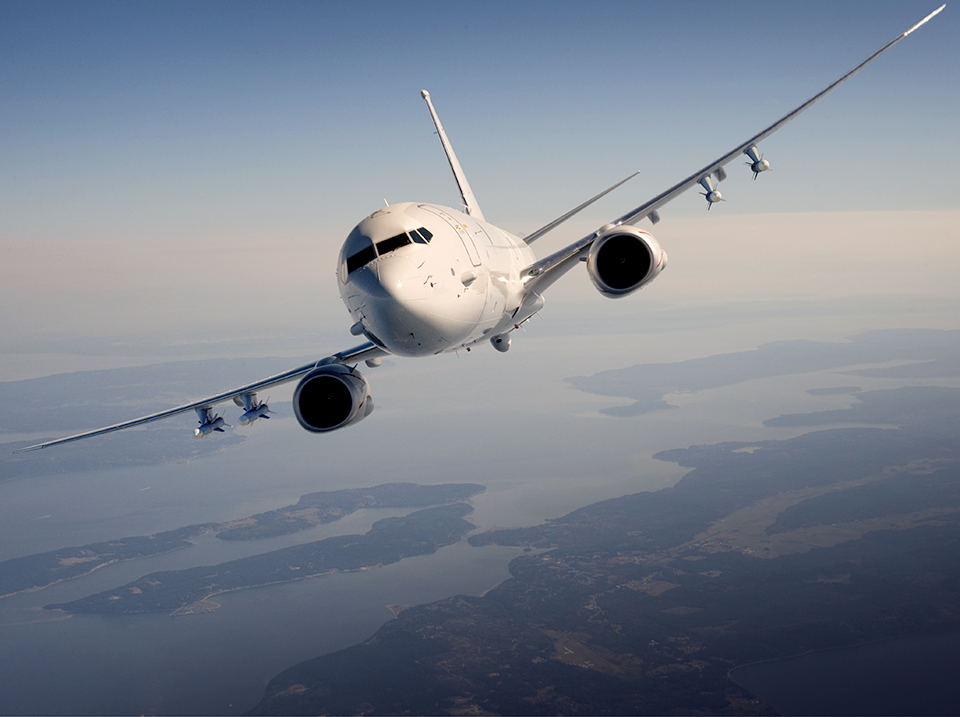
pixel 541 449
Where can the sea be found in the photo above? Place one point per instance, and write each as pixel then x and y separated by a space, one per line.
pixel 507 422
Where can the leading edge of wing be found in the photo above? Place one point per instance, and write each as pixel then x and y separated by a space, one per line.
pixel 351 356
pixel 661 199
pixel 544 272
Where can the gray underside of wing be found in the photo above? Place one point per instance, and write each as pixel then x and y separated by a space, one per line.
pixel 544 272
pixel 351 356
pixel 651 206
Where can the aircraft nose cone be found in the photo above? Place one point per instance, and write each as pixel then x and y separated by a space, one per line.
pixel 400 280
pixel 392 300
pixel 393 279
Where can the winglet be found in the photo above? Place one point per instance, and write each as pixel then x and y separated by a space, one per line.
pixel 466 194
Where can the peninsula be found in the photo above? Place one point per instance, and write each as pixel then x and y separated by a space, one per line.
pixel 190 590
pixel 34 572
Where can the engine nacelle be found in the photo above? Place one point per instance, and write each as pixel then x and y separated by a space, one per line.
pixel 624 258
pixel 331 397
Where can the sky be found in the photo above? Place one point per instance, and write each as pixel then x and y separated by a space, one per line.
pixel 188 171
pixel 177 178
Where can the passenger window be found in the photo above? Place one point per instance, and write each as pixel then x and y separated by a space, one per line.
pixel 391 244
pixel 361 258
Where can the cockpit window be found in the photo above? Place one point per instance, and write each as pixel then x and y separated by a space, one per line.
pixel 364 251
pixel 421 235
pixel 357 251
pixel 361 258
pixel 388 245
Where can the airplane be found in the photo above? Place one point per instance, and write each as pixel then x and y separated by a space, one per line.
pixel 420 279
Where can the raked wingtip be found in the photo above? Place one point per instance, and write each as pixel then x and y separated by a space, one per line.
pixel 926 19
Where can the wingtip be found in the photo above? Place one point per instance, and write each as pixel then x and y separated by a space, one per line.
pixel 29 449
pixel 424 94
pixel 926 19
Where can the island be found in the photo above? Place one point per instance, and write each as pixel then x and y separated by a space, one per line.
pixel 34 572
pixel 932 353
pixel 644 604
pixel 190 591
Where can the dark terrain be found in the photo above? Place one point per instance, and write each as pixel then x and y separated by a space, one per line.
pixel 643 604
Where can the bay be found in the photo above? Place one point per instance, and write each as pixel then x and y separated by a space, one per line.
pixel 216 663
pixel 220 662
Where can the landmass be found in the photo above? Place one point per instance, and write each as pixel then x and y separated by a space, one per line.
pixel 34 572
pixel 107 396
pixel 921 404
pixel 645 603
pixel 327 506
pixel 834 390
pixel 190 591
pixel 68 403
pixel 170 443
pixel 396 609
pixel 932 353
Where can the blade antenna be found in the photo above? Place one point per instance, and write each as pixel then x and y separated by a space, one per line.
pixel 470 205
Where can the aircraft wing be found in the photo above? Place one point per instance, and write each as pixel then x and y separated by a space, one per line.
pixel 352 356
pixel 544 272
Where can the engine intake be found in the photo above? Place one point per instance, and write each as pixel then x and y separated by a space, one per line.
pixel 622 259
pixel 332 397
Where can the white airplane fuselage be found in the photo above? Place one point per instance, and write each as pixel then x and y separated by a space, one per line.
pixel 417 293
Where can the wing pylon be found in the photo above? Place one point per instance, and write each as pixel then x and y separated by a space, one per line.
pixel 544 272
pixel 203 407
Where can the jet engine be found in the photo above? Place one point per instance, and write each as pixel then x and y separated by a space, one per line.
pixel 332 397
pixel 624 258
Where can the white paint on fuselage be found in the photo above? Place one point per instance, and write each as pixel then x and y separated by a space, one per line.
pixel 461 288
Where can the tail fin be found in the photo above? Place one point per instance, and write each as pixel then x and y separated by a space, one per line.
pixel 466 194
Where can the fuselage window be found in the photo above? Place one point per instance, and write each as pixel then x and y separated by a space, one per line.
pixel 361 258
pixel 391 244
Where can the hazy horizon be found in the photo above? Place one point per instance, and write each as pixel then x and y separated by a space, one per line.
pixel 177 180
pixel 177 170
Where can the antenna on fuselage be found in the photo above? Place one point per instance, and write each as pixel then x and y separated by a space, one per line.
pixel 470 205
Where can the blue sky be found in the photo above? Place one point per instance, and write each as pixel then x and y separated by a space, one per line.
pixel 168 165
pixel 176 180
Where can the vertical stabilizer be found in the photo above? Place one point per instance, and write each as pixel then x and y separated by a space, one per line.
pixel 466 194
